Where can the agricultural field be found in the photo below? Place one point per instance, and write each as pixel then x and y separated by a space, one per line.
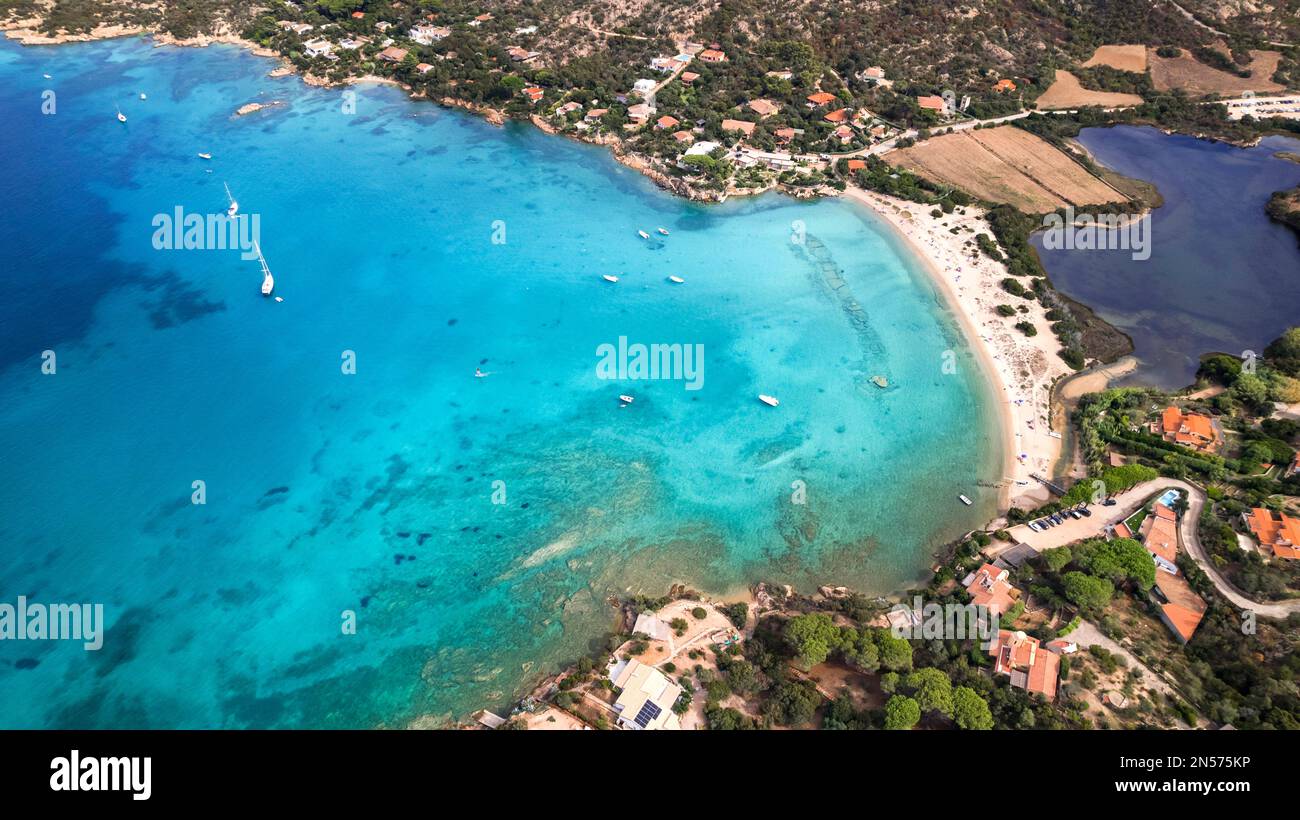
pixel 1124 58
pixel 1066 92
pixel 1196 79
pixel 1008 165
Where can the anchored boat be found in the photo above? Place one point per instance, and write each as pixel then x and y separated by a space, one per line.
pixel 268 281
pixel 770 401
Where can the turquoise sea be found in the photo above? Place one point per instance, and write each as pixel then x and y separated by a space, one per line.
pixel 373 492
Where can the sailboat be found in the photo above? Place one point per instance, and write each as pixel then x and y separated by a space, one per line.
pixel 120 116
pixel 234 205
pixel 268 281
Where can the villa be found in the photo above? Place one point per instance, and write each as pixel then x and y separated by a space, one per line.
pixel 317 48
pixel 763 108
pixel 1281 534
pixel 933 103
pixel 988 587
pixel 746 128
pixel 425 68
pixel 683 137
pixel 393 54
pixel 666 122
pixel 533 93
pixel 1004 85
pixel 644 87
pixel 1190 430
pixel 1023 659
pixel 820 98
pixel 427 35
pixel 647 697
pixel 838 115
pixel 710 55
pixel 1159 533
pixel 689 77
pixel 639 113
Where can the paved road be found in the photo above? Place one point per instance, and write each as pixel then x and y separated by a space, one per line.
pixel 1129 501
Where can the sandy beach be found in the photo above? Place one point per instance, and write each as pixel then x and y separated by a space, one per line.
pixel 1022 369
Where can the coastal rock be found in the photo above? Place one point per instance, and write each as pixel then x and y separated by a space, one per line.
pixel 250 108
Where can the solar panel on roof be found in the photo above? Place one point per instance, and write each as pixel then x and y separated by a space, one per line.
pixel 649 711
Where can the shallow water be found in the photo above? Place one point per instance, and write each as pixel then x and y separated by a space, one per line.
pixel 374 492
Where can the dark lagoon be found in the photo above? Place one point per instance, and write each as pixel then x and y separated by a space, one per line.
pixel 1221 275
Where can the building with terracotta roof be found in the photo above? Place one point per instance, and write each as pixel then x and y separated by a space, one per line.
pixel 932 103
pixel 838 115
pixel 742 126
pixel 393 54
pixel 1004 85
pixel 988 587
pixel 665 122
pixel 683 136
pixel 711 55
pixel 763 108
pixel 1281 534
pixel 1160 536
pixel 821 98
pixel 689 77
pixel 639 113
pixel 1182 609
pixel 534 93
pixel 844 134
pixel 425 68
pixel 1193 430
pixel 786 134
pixel 1024 660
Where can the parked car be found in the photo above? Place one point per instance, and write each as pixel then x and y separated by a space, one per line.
pixel 1110 502
pixel 1084 511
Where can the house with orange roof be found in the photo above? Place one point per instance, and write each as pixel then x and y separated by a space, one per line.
pixel 1194 430
pixel 1182 609
pixel 639 113
pixel 1159 533
pixel 988 587
pixel 712 55
pixel 933 103
pixel 1024 660
pixel 689 77
pixel 821 98
pixel 684 137
pixel 1004 85
pixel 763 108
pixel 785 134
pixel 425 68
pixel 533 93
pixel 844 134
pixel 746 128
pixel 665 122
pixel 838 115
pixel 857 165
pixel 393 54
pixel 1281 534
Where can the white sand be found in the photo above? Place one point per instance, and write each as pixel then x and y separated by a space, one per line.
pixel 1022 368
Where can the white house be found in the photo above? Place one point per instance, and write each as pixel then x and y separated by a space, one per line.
pixel 318 48
pixel 647 697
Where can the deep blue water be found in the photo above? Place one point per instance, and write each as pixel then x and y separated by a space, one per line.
pixel 1221 276
pixel 373 492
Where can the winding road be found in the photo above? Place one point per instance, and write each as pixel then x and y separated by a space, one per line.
pixel 1129 501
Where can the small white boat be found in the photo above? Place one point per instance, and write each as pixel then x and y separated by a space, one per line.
pixel 643 234
pixel 677 280
pixel 204 155
pixel 965 500
pixel 663 231
pixel 609 277
pixel 626 400
pixel 120 116
pixel 770 401
pixel 234 204
pixel 279 298
pixel 47 76
pixel 143 96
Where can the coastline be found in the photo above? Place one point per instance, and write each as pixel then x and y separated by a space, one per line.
pixel 1020 370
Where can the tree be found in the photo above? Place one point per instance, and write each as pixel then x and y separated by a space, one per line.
pixel 1250 389
pixel 902 713
pixel 793 703
pixel 1086 591
pixel 932 690
pixel 1220 368
pixel 1056 558
pixel 895 653
pixel 1119 559
pixel 813 637
pixel 860 649
pixel 970 710
pixel 1283 353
